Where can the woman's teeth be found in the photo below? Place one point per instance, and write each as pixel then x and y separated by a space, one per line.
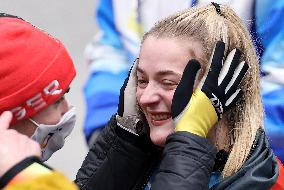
pixel 160 117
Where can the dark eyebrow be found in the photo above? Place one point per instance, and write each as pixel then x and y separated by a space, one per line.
pixel 160 73
pixel 167 72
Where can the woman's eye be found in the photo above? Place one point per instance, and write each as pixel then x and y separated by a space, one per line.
pixel 141 83
pixel 169 84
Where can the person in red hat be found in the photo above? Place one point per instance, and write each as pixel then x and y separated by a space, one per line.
pixel 19 167
pixel 36 71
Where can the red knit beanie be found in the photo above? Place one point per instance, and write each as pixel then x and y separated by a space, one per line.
pixel 35 68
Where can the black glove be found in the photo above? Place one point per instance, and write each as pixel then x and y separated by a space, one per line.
pixel 222 81
pixel 184 89
pixel 198 112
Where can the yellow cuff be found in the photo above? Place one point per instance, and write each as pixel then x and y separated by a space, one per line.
pixel 51 181
pixel 199 115
pixel 32 171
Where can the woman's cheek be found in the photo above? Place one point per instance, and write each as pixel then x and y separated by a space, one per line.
pixel 138 95
pixel 169 98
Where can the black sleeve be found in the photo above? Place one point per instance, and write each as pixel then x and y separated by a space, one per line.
pixel 115 161
pixel 259 172
pixel 187 163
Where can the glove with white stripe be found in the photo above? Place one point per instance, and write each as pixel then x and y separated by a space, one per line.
pixel 222 81
pixel 198 112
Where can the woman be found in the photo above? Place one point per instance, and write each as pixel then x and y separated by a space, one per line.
pixel 129 156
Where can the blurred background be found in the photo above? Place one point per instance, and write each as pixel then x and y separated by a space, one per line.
pixel 102 62
pixel 73 23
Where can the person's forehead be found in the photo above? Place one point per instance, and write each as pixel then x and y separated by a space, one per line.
pixel 164 55
pixel 159 71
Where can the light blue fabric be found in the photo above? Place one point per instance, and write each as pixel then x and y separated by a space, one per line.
pixel 111 36
pixel 274 122
pixel 274 52
pixel 269 19
pixel 105 19
pixel 108 71
pixel 274 107
pixel 194 2
pixel 270 27
pixel 101 86
pixel 215 178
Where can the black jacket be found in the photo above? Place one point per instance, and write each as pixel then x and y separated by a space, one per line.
pixel 120 160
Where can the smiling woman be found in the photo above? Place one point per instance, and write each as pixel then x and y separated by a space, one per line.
pixel 209 124
pixel 160 67
pixel 192 35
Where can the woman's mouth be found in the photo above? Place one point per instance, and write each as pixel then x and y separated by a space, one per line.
pixel 159 119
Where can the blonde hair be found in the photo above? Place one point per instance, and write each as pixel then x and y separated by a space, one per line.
pixel 206 26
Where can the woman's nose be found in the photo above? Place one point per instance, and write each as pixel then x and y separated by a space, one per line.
pixel 149 95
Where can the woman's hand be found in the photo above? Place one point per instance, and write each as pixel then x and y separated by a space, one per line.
pixel 128 116
pixel 217 92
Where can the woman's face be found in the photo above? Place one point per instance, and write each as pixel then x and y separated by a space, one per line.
pixel 161 64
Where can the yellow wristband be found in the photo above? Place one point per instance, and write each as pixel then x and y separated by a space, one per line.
pixel 51 181
pixel 32 171
pixel 199 115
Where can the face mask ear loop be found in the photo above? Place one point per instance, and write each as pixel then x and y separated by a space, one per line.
pixel 31 120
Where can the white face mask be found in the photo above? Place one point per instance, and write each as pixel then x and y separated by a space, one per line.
pixel 52 137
